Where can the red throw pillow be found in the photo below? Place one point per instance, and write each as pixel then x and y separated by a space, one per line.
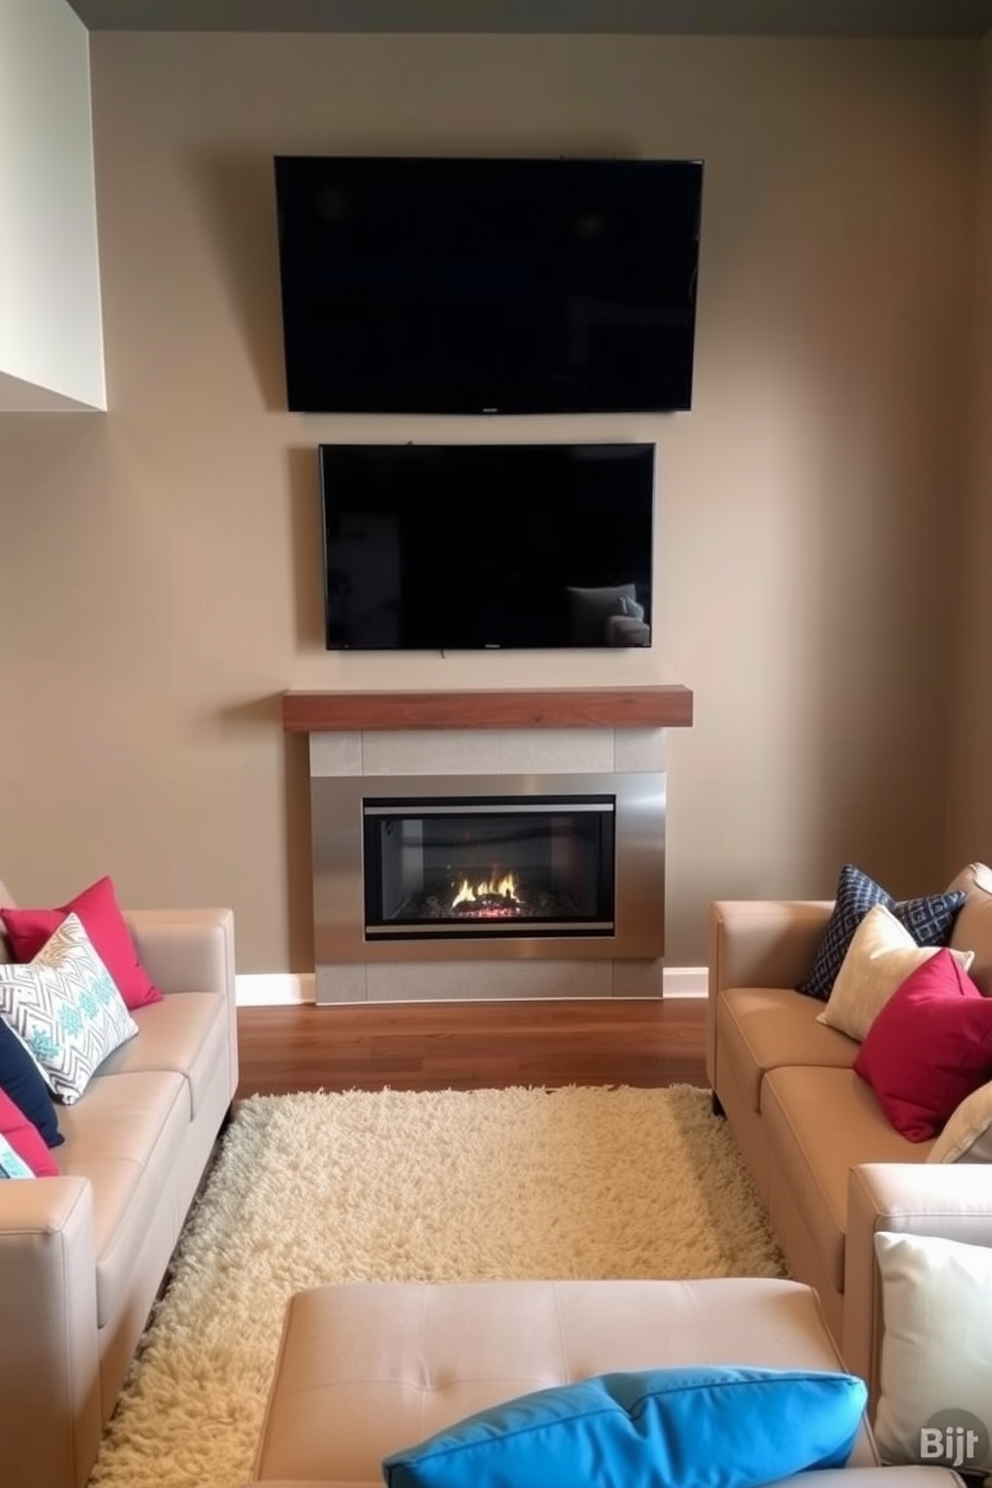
pixel 103 922
pixel 26 1139
pixel 929 1047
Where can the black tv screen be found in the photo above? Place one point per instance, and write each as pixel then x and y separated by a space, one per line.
pixel 455 547
pixel 502 286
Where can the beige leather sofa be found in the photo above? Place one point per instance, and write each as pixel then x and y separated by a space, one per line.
pixel 82 1256
pixel 828 1165
pixel 366 1368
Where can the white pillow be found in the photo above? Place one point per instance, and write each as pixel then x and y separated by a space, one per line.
pixel 967 1137
pixel 66 1009
pixel 880 957
pixel 936 1369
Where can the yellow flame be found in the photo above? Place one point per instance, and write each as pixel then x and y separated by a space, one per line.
pixel 505 888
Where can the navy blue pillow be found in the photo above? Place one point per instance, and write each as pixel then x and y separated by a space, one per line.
pixel 22 1080
pixel 722 1427
pixel 929 921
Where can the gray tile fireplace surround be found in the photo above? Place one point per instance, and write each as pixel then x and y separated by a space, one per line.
pixel 347 764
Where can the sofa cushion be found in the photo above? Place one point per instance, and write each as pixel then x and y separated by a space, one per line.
pixel 930 921
pixel 127 1137
pixel 101 916
pixel 763 1028
pixel 184 1032
pixel 882 954
pixel 732 1427
pixel 929 1047
pixel 65 1007
pixel 819 1123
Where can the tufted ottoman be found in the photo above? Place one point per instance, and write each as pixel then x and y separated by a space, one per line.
pixel 366 1368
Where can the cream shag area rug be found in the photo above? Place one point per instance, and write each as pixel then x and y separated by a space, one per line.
pixel 444 1186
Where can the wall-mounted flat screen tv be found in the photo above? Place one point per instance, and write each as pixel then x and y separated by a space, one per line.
pixel 503 286
pixel 474 547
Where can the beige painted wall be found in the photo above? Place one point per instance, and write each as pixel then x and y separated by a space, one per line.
pixel 970 721
pixel 159 571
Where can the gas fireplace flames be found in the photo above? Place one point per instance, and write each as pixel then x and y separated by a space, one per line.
pixel 493 898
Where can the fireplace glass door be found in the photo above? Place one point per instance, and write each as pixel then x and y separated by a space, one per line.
pixel 473 867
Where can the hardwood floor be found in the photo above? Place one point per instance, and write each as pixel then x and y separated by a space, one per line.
pixel 470 1045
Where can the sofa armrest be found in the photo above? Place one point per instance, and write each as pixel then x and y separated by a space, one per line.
pixel 760 943
pixel 185 950
pixel 764 942
pixel 950 1200
pixel 50 1415
pixel 190 950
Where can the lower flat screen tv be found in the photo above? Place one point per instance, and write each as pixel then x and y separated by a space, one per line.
pixel 431 547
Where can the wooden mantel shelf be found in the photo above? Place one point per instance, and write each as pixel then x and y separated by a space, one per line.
pixel 595 707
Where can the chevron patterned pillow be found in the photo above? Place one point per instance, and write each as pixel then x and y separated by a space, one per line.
pixel 66 1009
pixel 12 1165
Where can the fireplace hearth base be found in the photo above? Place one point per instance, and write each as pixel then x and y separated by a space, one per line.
pixel 485 981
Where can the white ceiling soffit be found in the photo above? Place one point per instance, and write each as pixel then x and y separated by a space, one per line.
pixel 18 396
pixel 882 18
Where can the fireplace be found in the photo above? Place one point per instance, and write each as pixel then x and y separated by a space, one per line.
pixel 471 867
pixel 488 845
pixel 440 867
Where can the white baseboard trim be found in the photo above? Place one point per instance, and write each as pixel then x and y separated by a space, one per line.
pixel 274 989
pixel 289 988
pixel 685 981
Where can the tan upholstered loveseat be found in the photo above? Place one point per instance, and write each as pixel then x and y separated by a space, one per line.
pixel 829 1166
pixel 82 1256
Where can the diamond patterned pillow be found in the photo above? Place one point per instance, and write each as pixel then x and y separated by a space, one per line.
pixel 12 1165
pixel 929 921
pixel 66 1009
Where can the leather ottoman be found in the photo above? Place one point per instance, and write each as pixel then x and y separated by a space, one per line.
pixel 367 1368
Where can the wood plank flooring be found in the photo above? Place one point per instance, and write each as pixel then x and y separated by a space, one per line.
pixel 472 1045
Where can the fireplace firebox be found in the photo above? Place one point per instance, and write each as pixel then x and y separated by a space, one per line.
pixel 471 867
pixel 474 867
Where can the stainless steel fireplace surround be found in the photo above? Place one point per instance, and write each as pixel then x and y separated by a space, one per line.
pixel 577 863
pixel 592 922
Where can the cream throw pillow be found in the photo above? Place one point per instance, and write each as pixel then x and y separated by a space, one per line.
pixel 936 1360
pixel 967 1137
pixel 880 957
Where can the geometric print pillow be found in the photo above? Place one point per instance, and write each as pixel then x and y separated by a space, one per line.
pixel 12 1165
pixel 929 921
pixel 66 1009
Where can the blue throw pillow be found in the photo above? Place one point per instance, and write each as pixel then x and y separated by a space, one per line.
pixel 929 921
pixel 707 1427
pixel 22 1080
